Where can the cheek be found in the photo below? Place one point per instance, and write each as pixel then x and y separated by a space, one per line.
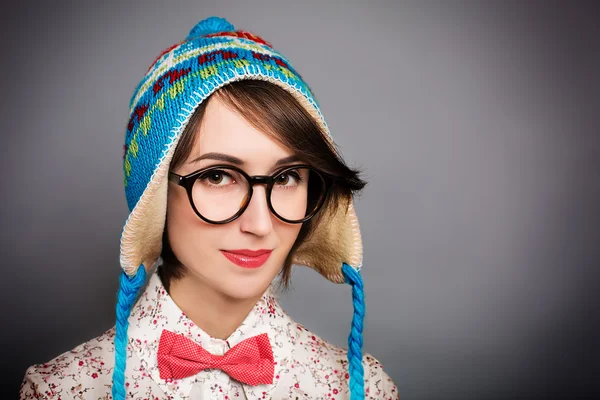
pixel 185 228
pixel 288 234
pixel 179 212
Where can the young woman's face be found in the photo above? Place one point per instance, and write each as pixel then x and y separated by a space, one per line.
pixel 199 245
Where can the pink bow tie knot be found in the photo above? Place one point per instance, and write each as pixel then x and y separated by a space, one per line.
pixel 250 361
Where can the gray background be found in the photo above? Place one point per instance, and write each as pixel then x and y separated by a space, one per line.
pixel 476 124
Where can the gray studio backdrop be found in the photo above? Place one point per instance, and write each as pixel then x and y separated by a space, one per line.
pixel 476 124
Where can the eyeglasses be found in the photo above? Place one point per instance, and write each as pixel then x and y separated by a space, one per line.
pixel 219 194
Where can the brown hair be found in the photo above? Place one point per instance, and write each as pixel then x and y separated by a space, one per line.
pixel 274 111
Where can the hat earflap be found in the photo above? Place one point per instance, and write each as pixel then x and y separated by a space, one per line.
pixel 129 287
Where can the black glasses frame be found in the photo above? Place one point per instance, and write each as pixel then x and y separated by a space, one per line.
pixel 187 182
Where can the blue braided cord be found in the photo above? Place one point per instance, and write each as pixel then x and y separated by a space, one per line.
pixel 129 288
pixel 355 340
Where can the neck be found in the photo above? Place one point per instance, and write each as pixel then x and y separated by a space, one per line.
pixel 216 313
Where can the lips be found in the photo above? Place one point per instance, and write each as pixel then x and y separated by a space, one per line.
pixel 249 253
pixel 247 258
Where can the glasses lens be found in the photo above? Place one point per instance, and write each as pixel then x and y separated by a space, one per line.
pixel 220 193
pixel 297 193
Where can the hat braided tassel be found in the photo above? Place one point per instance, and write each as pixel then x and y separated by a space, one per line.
pixel 355 340
pixel 129 288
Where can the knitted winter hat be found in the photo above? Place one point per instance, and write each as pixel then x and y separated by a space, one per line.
pixel 182 77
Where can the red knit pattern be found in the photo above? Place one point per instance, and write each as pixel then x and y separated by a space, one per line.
pixel 242 34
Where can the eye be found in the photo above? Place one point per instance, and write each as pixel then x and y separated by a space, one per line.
pixel 287 177
pixel 216 178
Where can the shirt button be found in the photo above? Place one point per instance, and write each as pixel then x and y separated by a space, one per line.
pixel 222 377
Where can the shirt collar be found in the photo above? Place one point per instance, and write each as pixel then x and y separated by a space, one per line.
pixel 155 311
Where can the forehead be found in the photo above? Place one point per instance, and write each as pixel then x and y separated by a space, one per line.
pixel 224 130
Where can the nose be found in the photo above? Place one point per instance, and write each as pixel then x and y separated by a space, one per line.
pixel 257 218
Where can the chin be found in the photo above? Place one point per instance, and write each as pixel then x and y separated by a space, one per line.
pixel 241 283
pixel 241 288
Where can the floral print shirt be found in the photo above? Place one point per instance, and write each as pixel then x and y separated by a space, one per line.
pixel 306 366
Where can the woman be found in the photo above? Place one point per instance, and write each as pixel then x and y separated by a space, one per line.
pixel 231 177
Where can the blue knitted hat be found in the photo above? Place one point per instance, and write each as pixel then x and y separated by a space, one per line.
pixel 181 78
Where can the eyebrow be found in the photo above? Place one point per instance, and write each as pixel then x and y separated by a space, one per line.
pixel 238 161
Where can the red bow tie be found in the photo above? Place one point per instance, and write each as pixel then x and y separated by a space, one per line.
pixel 250 361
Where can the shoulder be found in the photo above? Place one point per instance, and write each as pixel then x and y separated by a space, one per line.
pixel 327 364
pixel 78 373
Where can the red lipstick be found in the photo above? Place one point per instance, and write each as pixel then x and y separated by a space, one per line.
pixel 247 258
